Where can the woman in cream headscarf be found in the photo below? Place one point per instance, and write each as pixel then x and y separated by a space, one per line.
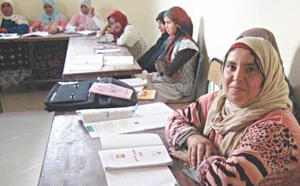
pixel 86 19
pixel 244 134
pixel 10 22
pixel 51 21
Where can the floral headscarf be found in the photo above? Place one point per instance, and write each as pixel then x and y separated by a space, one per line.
pixel 233 120
pixel 184 29
pixel 121 18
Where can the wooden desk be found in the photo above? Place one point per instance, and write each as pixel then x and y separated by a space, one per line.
pixel 72 155
pixel 85 46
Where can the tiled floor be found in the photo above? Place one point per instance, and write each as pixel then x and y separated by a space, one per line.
pixel 24 131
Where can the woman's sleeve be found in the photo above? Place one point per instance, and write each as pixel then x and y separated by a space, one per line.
pixel 20 29
pixel 74 20
pixel 130 36
pixel 267 151
pixel 190 119
pixel 180 59
pixel 98 20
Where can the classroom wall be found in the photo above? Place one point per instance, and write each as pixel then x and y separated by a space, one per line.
pixel 223 21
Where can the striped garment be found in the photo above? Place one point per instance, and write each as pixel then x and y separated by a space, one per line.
pixel 266 155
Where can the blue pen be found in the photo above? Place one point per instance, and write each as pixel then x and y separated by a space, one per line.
pixel 135 107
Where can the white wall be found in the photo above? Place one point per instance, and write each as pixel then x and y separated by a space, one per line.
pixel 224 20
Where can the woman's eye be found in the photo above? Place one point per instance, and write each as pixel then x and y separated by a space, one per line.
pixel 231 67
pixel 251 69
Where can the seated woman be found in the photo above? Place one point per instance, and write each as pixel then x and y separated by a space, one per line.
pixel 51 21
pixel 176 66
pixel 125 34
pixel 246 133
pixel 268 35
pixel 147 61
pixel 10 22
pixel 86 19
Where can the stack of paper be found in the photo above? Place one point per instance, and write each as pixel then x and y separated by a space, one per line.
pixel 87 63
pixel 136 159
pixel 144 117
pixel 118 60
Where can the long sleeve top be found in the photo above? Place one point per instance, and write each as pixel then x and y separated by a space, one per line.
pixel 267 154
pixel 134 40
pixel 87 22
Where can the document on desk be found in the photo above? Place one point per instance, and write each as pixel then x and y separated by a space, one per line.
pixel 144 117
pixel 9 36
pixel 87 63
pixel 118 60
pixel 120 171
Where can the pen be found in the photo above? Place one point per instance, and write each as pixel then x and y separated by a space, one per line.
pixel 135 107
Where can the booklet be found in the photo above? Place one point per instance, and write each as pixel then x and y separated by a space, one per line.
pixel 110 121
pixel 112 90
pixel 131 158
pixel 146 94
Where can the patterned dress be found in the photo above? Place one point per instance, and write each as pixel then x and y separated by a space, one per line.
pixel 267 154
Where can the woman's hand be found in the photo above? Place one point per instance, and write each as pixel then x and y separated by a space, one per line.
pixel 92 12
pixel 179 154
pixel 199 147
pixel 79 28
pixel 53 30
pixel 3 30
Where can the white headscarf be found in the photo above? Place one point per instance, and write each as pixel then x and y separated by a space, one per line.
pixel 18 19
pixel 85 2
pixel 232 120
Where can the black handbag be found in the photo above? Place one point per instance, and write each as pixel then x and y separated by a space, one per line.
pixel 75 95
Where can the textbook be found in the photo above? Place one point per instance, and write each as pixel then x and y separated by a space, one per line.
pixel 118 60
pixel 110 121
pixel 135 159
pixel 149 152
pixel 146 94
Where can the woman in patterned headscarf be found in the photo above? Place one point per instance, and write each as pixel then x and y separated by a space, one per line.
pixel 10 22
pixel 147 61
pixel 268 35
pixel 124 34
pixel 86 19
pixel 176 66
pixel 51 20
pixel 244 134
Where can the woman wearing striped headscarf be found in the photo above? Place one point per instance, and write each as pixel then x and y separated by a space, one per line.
pixel 10 22
pixel 86 19
pixel 176 66
pixel 246 133
pixel 51 21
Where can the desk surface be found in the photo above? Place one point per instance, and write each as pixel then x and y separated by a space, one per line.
pixel 51 37
pixel 85 46
pixel 72 156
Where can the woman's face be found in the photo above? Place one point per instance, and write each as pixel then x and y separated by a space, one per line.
pixel 6 9
pixel 84 9
pixel 242 79
pixel 114 24
pixel 161 26
pixel 48 9
pixel 170 26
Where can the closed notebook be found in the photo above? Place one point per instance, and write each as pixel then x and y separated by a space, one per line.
pixel 71 92
pixel 112 90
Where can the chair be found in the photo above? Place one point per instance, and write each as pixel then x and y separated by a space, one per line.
pixel 214 77
pixel 196 89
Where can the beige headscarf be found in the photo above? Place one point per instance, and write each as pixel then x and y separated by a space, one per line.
pixel 19 19
pixel 232 120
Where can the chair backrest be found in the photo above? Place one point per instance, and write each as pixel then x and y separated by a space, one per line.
pixel 214 77
pixel 196 88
